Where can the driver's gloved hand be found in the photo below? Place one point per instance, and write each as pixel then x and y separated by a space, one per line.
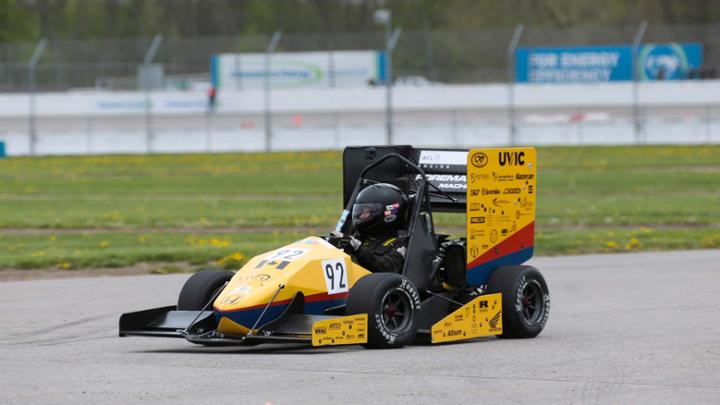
pixel 334 238
pixel 353 243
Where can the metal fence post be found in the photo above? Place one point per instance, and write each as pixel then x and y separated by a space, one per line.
pixel 512 46
pixel 384 16
pixel 88 134
pixel 268 115
pixel 149 56
pixel 637 40
pixel 208 133
pixel 238 69
pixel 454 128
pixel 331 63
pixel 429 63
pixel 336 125
pixel 32 132
pixel 390 46
pixel 708 125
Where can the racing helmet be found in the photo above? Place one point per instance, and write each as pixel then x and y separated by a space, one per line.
pixel 379 209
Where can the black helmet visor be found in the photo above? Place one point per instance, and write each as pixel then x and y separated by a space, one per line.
pixel 366 212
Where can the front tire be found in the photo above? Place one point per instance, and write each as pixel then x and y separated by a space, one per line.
pixel 201 287
pixel 525 300
pixel 392 303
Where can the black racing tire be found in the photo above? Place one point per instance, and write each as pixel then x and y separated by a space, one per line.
pixel 525 300
pixel 392 303
pixel 201 287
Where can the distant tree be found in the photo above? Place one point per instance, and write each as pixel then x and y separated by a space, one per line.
pixel 81 19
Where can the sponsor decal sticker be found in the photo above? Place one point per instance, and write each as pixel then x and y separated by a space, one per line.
pixel 511 158
pixel 479 159
pixel 499 201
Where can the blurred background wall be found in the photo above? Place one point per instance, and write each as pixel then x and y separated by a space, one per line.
pixel 134 76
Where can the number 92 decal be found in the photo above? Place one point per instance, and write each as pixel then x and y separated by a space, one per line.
pixel 335 275
pixel 287 254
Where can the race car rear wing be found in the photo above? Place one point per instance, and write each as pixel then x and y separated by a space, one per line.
pixel 496 191
pixel 445 168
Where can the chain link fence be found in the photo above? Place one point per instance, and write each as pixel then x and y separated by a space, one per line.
pixel 477 56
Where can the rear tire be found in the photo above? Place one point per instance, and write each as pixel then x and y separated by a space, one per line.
pixel 525 300
pixel 201 287
pixel 392 303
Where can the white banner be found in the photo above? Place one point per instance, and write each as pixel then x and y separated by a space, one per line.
pixel 296 69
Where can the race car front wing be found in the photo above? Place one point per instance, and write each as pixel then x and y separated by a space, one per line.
pixel 201 327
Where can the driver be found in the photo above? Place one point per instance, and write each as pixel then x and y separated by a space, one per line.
pixel 377 215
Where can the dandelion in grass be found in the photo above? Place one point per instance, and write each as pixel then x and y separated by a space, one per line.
pixel 64 265
pixel 196 242
pixel 232 261
pixel 219 243
pixel 646 230
pixel 634 243
pixel 611 245
pixel 711 241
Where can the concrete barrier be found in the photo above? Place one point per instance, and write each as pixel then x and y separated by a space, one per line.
pixel 445 116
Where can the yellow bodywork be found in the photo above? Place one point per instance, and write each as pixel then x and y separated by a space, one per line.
pixel 480 317
pixel 346 330
pixel 501 196
pixel 500 203
pixel 312 266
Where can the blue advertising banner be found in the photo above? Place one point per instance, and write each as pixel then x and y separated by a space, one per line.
pixel 599 64
pixel 668 61
pixel 573 65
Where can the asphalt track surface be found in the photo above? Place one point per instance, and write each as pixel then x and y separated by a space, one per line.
pixel 630 328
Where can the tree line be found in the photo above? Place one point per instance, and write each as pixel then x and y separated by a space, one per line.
pixel 28 20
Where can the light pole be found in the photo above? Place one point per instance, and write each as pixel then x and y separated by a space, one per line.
pixel 384 16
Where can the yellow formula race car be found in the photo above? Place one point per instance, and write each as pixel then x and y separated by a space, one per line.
pixel 449 289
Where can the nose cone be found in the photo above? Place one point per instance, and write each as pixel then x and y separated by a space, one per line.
pixel 240 321
pixel 242 305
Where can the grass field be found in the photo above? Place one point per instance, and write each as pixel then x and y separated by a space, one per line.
pixel 107 211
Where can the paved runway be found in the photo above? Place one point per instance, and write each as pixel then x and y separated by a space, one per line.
pixel 630 328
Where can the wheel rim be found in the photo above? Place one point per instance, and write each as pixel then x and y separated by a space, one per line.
pixel 531 300
pixel 395 310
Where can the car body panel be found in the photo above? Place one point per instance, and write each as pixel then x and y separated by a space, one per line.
pixel 500 216
pixel 321 272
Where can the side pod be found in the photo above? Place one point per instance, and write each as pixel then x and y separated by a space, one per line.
pixel 479 317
